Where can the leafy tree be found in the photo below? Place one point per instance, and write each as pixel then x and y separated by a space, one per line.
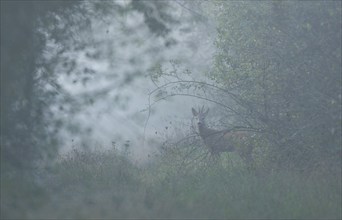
pixel 24 133
pixel 38 44
pixel 277 70
pixel 283 60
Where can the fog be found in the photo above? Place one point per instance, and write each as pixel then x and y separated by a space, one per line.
pixel 121 113
pixel 171 109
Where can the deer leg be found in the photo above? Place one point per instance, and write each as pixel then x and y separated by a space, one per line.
pixel 251 162
pixel 246 155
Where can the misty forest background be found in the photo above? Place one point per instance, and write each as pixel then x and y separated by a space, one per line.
pixel 72 69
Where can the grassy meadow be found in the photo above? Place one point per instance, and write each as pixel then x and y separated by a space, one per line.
pixel 88 185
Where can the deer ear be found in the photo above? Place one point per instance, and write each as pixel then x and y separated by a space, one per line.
pixel 194 112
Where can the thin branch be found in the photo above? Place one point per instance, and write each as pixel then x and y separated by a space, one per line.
pixel 195 82
pixel 148 118
pixel 196 96
pixel 191 10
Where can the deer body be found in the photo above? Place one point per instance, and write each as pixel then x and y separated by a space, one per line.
pixel 219 141
pixel 215 140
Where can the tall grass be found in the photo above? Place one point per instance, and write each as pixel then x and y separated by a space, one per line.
pixel 88 185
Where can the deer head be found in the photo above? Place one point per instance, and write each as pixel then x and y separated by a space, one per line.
pixel 200 115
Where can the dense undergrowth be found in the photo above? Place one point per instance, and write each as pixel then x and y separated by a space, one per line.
pixel 88 185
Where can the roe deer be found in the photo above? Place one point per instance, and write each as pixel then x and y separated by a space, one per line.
pixel 219 141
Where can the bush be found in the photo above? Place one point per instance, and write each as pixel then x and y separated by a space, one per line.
pixel 108 185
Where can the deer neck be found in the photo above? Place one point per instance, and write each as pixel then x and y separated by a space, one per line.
pixel 204 131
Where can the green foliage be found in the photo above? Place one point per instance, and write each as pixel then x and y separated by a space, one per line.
pixel 26 127
pixel 277 67
pixel 108 185
pixel 283 62
pixel 276 70
pixel 20 195
pixel 36 41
